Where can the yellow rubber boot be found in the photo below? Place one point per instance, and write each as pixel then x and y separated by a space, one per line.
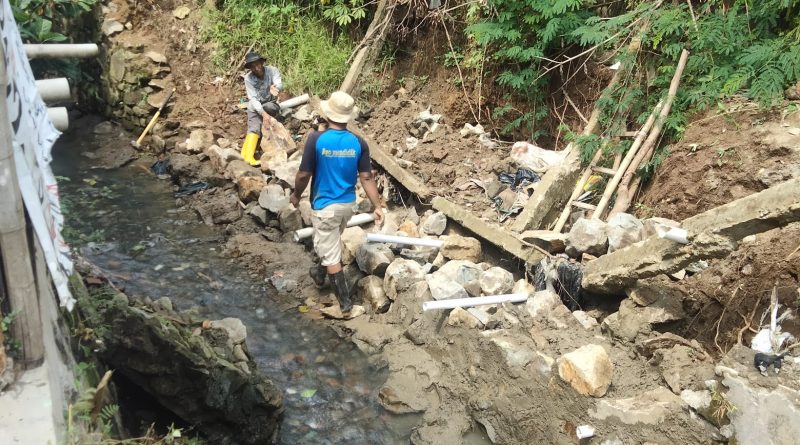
pixel 249 149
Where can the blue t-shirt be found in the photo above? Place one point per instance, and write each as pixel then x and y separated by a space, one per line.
pixel 334 158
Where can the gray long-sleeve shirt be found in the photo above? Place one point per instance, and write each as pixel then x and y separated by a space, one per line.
pixel 258 89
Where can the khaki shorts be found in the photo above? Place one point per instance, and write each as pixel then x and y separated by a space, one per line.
pixel 329 223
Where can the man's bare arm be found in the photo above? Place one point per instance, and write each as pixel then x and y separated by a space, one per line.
pixel 368 182
pixel 300 183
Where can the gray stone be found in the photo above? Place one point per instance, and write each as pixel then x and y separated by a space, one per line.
pixel 111 27
pixel 236 169
pixel 460 317
pixel 523 287
pixel 181 12
pixel 553 242
pixel 156 57
pixel 305 211
pixel 374 258
pixel 435 224
pixel 423 255
pixel 458 247
pixel 633 320
pixel 649 408
pixel 199 140
pixel 273 198
pixel 443 288
pixel 370 289
pixel 400 275
pixel 287 172
pixel 763 413
pixel 236 330
pixel 587 236
pixel 697 400
pixel 587 321
pixel 219 211
pixel 104 128
pixel 303 113
pixel 290 219
pixel 542 303
pixel 624 229
pixel 473 288
pixel 117 65
pixel 352 239
pixel 496 281
pixel 461 271
pixel 682 368
pixel 259 214
pixel 588 369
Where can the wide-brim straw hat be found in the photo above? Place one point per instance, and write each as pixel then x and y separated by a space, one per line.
pixel 339 108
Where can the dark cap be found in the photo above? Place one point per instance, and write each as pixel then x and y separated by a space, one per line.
pixel 251 57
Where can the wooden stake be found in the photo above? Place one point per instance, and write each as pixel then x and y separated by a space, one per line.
pixel 14 249
pixel 625 194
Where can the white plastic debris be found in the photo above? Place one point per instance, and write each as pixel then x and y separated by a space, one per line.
pixel 584 431
pixel 536 158
pixel 615 66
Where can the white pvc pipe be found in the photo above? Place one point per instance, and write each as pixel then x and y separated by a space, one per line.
pixel 394 239
pixel 295 101
pixel 475 301
pixel 675 234
pixel 355 220
pixel 53 90
pixel 59 116
pixel 61 50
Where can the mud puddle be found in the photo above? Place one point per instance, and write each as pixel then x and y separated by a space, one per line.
pixel 126 222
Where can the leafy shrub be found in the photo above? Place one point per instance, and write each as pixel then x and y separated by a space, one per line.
pixel 737 46
pixel 41 21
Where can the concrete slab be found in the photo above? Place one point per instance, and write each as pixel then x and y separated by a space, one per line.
pixel 26 410
pixel 712 234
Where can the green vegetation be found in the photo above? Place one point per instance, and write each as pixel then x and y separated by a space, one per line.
pixel 302 41
pixel 43 21
pixel 736 46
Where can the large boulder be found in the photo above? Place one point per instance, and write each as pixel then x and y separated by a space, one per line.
pixel 458 247
pixel 460 317
pixel 198 370
pixel 588 369
pixel 496 281
pixel 400 275
pixel 289 219
pixel 374 258
pixel 651 226
pixel 624 229
pixel 587 236
pixel 219 208
pixel 273 198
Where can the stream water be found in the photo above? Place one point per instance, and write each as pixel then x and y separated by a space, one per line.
pixel 128 223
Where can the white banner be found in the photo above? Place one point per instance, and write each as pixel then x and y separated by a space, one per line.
pixel 34 135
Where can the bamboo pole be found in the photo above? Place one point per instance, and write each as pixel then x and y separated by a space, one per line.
pixel 626 191
pixel 14 248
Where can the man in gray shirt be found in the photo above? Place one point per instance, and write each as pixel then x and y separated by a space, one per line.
pixel 262 85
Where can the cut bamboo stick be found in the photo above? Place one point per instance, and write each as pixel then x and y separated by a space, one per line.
pixel 625 194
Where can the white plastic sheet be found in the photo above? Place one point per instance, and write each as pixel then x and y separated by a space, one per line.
pixel 536 158
pixel 33 134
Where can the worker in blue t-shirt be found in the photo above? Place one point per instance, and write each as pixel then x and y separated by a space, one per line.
pixel 332 160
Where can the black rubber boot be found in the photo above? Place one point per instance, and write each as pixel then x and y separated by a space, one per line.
pixel 341 290
pixel 318 273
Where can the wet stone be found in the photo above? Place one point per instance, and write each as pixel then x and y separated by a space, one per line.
pixel 374 258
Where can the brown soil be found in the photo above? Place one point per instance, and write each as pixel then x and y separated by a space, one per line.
pixel 721 159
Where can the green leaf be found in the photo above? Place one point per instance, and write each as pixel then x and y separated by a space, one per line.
pixel 308 393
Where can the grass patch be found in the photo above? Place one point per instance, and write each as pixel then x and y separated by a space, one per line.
pixel 299 42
